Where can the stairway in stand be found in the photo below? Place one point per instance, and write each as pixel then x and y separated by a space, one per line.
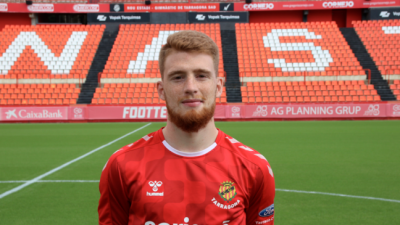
pixel 229 52
pixel 366 62
pixel 99 61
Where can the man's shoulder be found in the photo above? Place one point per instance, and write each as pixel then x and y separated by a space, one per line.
pixel 243 151
pixel 146 141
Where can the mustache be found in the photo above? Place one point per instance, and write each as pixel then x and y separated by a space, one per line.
pixel 193 98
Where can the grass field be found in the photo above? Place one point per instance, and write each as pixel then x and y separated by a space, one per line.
pixel 354 158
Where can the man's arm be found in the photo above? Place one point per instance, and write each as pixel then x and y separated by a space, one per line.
pixel 114 204
pixel 261 207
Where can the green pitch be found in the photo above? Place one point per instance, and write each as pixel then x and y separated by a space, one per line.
pixel 354 158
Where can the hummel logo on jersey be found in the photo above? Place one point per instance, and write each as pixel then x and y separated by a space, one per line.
pixel 155 185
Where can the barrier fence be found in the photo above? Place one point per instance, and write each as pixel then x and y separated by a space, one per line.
pixel 366 110
pixel 392 74
pixel 275 76
pixel 46 78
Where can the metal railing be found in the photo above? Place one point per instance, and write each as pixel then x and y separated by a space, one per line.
pixel 304 74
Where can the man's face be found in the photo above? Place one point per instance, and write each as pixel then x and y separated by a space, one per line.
pixel 189 87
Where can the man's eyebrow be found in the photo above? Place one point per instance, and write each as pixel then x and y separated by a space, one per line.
pixel 202 71
pixel 175 72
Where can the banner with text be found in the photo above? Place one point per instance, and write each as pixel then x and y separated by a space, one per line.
pixel 54 8
pixel 384 13
pixel 352 110
pixel 207 7
pixel 310 5
pixel 118 18
pixel 218 17
pixel 234 111
pixel 140 112
pixel 202 7
pixel 34 113
pixel 393 110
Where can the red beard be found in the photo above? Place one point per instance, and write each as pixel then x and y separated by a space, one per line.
pixel 191 121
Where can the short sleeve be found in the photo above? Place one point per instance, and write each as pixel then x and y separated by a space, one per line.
pixel 261 205
pixel 114 204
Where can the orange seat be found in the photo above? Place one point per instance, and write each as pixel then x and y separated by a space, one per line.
pixel 299 99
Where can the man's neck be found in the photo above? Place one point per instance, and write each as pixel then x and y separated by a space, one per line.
pixel 190 142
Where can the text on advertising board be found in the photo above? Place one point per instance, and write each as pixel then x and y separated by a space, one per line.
pixel 172 7
pixel 34 113
pixel 145 112
pixel 87 8
pixel 3 7
pixel 41 8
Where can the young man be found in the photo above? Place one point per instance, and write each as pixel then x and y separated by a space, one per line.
pixel 188 172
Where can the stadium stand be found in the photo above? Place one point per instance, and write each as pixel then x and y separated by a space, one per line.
pixel 313 51
pixel 44 64
pixel 132 93
pixel 299 62
pixel 38 94
pixel 308 91
pixel 131 71
pixel 381 38
pixel 395 87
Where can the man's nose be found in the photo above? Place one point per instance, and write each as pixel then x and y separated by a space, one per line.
pixel 191 85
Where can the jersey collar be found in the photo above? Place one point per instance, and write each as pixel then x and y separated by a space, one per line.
pixel 189 154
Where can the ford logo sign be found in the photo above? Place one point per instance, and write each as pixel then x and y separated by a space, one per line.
pixel 269 211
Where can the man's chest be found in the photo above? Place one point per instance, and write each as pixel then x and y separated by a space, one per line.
pixel 187 193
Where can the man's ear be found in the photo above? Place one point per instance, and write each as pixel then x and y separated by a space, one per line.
pixel 220 85
pixel 160 90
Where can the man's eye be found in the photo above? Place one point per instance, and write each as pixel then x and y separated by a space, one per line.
pixel 177 78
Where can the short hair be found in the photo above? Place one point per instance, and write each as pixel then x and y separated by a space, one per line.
pixel 189 41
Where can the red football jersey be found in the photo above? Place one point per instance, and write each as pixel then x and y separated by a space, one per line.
pixel 149 182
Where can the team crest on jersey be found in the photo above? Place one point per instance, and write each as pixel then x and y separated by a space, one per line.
pixel 227 190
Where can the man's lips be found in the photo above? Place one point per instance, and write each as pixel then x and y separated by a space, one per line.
pixel 192 102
